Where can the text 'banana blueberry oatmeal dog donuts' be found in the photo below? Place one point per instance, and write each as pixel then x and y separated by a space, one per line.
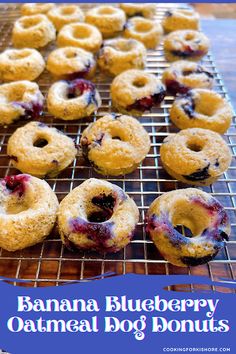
pixel 33 31
pixel 202 214
pixel 180 19
pixel 115 145
pixel 185 44
pixel 109 20
pixel 195 156
pixel 201 108
pixel 183 75
pixel 135 91
pixel 97 215
pixel 36 8
pixel 21 64
pixel 28 211
pixel 146 31
pixel 82 35
pixel 71 63
pixel 65 14
pixel 118 55
pixel 40 150
pixel 145 10
pixel 18 99
pixel 70 100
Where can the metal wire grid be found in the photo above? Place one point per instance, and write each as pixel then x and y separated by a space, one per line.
pixel 50 263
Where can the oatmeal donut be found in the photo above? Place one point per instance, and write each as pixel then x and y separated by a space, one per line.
pixel 36 8
pixel 146 31
pixel 71 63
pixel 40 150
pixel 185 44
pixel 33 31
pixel 80 35
pixel 180 19
pixel 195 156
pixel 135 91
pixel 115 145
pixel 201 108
pixel 184 75
pixel 64 14
pixel 20 98
pixel 202 214
pixel 70 100
pixel 21 64
pixel 97 215
pixel 145 10
pixel 108 19
pixel 118 55
pixel 28 211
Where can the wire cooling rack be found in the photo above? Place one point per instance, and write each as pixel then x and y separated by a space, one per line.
pixel 50 263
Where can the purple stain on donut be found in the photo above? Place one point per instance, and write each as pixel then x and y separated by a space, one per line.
pixel 188 52
pixel 16 184
pixel 168 14
pixel 146 103
pixel 195 261
pixel 200 175
pixel 188 105
pixel 33 109
pixel 175 87
pixel 99 139
pixel 42 125
pixel 78 87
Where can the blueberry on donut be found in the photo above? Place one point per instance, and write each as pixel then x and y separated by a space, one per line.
pixel 195 156
pixel 97 215
pixel 70 100
pixel 28 211
pixel 196 210
pixel 136 91
pixel 180 19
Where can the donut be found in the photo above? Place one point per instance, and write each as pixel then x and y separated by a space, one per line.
pixel 70 100
pixel 21 64
pixel 97 215
pixel 201 108
pixel 20 98
pixel 144 30
pixel 71 63
pixel 185 44
pixel 145 10
pixel 195 156
pixel 118 55
pixel 36 8
pixel 198 211
pixel 64 14
pixel 34 31
pixel 180 19
pixel 108 19
pixel 183 75
pixel 28 211
pixel 135 91
pixel 80 35
pixel 40 150
pixel 115 145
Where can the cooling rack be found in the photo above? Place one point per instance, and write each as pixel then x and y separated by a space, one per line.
pixel 50 263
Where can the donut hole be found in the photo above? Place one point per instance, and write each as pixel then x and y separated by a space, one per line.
pixel 70 55
pixel 194 147
pixel 139 82
pixel 187 13
pixel 18 55
pixel 40 143
pixel 184 230
pixel 189 36
pixel 124 46
pixel 100 208
pixel 67 11
pixel 16 207
pixel 81 32
pixel 106 11
pixel 31 22
pixel 143 27
pixel 116 138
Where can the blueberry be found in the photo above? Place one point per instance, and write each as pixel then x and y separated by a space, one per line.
pixel 16 184
pixel 175 87
pixel 195 261
pixel 200 175
pixel 168 14
pixel 189 105
pixel 146 103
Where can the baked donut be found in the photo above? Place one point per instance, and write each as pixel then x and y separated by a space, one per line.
pixel 185 44
pixel 70 100
pixel 28 211
pixel 71 63
pixel 97 215
pixel 80 35
pixel 64 14
pixel 145 10
pixel 33 31
pixel 201 108
pixel 146 31
pixel 20 98
pixel 198 211
pixel 21 64
pixel 183 75
pixel 118 55
pixel 108 19
pixel 135 91
pixel 195 156
pixel 34 8
pixel 115 145
pixel 180 19
pixel 40 150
